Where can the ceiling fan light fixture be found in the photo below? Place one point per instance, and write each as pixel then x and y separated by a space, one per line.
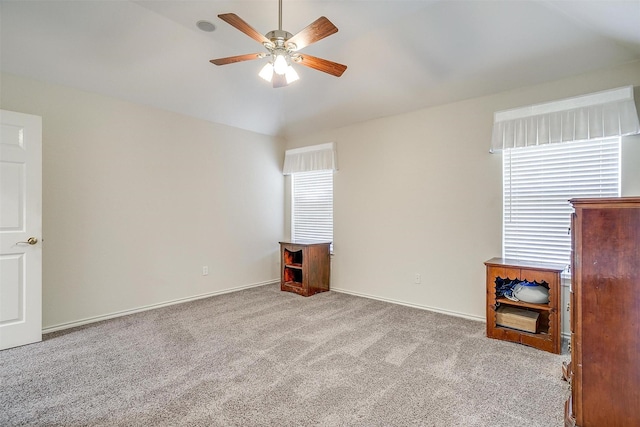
pixel 280 64
pixel 267 72
pixel 291 75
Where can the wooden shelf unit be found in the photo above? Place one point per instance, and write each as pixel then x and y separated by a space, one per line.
pixel 547 336
pixel 305 267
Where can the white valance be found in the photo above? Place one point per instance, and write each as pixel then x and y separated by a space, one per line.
pixel 312 158
pixel 597 115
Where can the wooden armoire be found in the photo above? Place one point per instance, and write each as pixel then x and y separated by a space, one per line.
pixel 604 371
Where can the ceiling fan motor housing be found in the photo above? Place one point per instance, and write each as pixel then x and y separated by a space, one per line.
pixel 278 38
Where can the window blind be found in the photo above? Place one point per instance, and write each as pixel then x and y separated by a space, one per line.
pixel 312 206
pixel 538 181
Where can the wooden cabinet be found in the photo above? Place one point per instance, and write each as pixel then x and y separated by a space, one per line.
pixel 547 335
pixel 305 267
pixel 605 314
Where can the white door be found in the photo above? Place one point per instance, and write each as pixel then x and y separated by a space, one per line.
pixel 20 229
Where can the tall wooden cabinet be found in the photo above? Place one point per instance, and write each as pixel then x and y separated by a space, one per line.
pixel 305 267
pixel 605 314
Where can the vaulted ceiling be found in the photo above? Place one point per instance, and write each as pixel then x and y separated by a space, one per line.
pixel 401 55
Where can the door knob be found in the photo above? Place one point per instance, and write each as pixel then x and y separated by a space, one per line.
pixel 30 241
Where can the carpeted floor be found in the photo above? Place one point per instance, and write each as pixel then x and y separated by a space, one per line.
pixel 261 357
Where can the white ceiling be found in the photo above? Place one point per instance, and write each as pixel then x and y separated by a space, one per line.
pixel 402 55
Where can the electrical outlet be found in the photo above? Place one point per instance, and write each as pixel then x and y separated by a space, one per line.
pixel 417 279
pixel 205 270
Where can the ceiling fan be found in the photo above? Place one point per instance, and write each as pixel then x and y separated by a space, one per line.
pixel 282 47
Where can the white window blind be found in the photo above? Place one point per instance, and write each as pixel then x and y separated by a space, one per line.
pixel 312 206
pixel 538 181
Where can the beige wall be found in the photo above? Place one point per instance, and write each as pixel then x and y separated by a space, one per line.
pixel 136 200
pixel 420 193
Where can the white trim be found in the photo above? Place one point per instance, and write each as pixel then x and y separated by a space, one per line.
pixel 564 334
pixel 81 322
pixel 408 304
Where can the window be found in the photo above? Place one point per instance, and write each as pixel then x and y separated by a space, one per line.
pixel 312 206
pixel 539 180
pixel 553 152
pixel 311 169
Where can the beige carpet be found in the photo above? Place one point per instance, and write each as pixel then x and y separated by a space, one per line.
pixel 261 357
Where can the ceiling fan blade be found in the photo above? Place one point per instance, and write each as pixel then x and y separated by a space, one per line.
pixel 317 30
pixel 237 58
pixel 323 65
pixel 279 80
pixel 235 21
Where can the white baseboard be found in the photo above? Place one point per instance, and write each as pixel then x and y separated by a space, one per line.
pixel 81 322
pixel 564 335
pixel 408 304
pixel 94 319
